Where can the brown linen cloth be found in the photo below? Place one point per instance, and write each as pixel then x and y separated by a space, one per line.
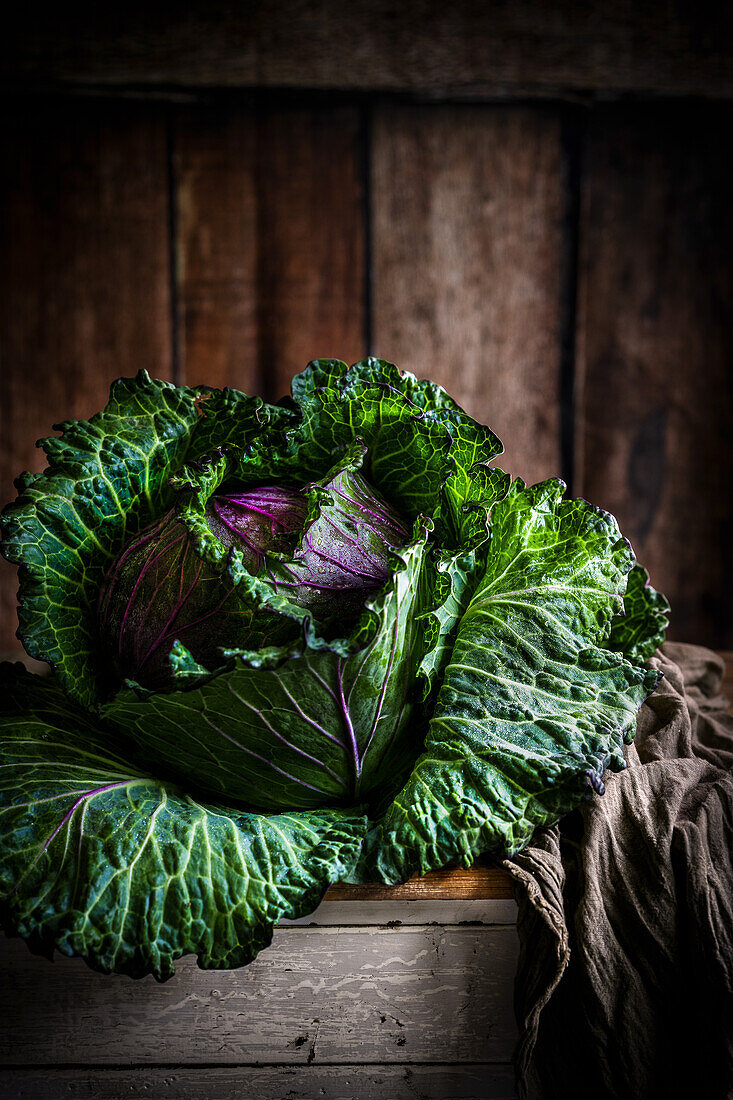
pixel 625 980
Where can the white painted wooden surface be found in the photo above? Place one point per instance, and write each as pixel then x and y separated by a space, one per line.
pixel 434 911
pixel 373 1000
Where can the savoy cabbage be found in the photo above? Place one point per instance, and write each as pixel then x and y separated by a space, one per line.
pixel 292 644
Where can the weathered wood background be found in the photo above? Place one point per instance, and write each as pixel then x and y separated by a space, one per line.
pixel 529 203
pixel 565 272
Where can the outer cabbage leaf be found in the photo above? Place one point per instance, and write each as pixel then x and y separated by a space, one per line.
pixel 107 477
pixel 295 726
pixel 421 445
pixel 449 580
pixel 102 860
pixel 408 451
pixel 472 445
pixel 230 418
pixel 642 627
pixel 532 708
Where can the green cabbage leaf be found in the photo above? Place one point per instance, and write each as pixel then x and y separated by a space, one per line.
pixel 101 859
pixel 532 708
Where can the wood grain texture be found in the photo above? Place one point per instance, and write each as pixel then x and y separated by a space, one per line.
pixel 317 995
pixel 270 242
pixel 467 254
pixel 456 883
pixel 399 1082
pixel 84 283
pixel 216 228
pixel 655 347
pixel 465 48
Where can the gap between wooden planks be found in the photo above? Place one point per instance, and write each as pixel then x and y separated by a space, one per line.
pixel 482 880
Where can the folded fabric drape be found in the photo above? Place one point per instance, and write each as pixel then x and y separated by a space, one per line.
pixel 625 980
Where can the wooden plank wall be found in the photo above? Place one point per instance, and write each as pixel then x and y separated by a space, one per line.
pixel 564 271
pixel 654 424
pixel 467 248
pixel 467 47
pixel 84 282
pixel 269 242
